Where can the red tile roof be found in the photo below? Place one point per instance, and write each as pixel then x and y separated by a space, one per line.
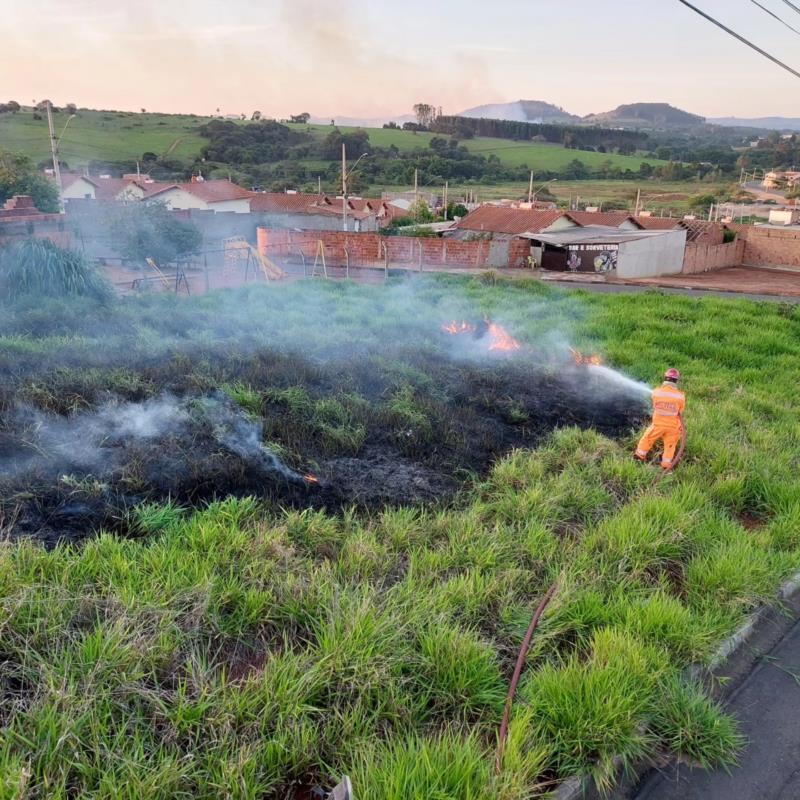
pixel 610 219
pixel 659 223
pixel 207 191
pixel 509 220
pixel 110 188
pixel 281 202
pixel 68 178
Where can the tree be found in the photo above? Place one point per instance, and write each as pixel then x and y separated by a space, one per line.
pixel 302 119
pixel 255 116
pixel 71 108
pixel 149 230
pixel 425 113
pixel 13 106
pixel 19 176
pixel 144 111
pixel 794 192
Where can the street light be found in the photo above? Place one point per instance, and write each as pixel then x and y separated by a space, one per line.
pixel 345 174
pixel 532 194
pixel 55 141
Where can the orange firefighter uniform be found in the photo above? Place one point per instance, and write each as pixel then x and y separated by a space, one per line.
pixel 668 405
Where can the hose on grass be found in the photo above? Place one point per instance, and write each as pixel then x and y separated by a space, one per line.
pixel 512 689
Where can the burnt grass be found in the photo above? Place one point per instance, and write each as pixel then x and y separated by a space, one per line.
pixel 405 426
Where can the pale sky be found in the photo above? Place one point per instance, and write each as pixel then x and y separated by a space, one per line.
pixel 359 58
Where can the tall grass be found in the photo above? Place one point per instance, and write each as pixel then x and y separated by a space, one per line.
pixel 36 268
pixel 239 652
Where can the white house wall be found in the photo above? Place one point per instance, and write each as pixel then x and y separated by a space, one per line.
pixel 78 190
pixel 652 256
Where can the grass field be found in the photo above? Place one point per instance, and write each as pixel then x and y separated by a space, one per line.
pixel 241 650
pixel 124 135
pixel 513 154
pixel 102 135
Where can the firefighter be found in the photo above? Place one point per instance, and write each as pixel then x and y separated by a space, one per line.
pixel 667 424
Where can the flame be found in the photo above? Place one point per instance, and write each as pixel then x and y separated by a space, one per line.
pixel 581 360
pixel 455 328
pixel 501 339
pixel 309 478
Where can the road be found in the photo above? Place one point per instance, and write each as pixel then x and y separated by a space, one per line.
pixel 767 704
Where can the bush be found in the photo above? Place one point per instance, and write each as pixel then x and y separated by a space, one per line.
pixel 39 268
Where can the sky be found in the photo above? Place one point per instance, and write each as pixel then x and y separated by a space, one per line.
pixel 373 58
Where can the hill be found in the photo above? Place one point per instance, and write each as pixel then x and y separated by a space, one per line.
pixel 120 136
pixel 646 115
pixel 765 123
pixel 521 111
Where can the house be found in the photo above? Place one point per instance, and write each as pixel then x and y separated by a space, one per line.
pixel 610 219
pixel 778 179
pixel 78 187
pixel 600 249
pixel 320 212
pixel 216 195
pixel 508 222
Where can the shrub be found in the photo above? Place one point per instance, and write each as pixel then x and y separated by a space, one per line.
pixel 39 268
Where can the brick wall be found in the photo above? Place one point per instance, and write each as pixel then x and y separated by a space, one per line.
pixel 701 257
pixel 43 226
pixel 372 250
pixel 771 247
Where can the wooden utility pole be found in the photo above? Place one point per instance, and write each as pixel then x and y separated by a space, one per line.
pixel 530 189
pixel 445 201
pixel 416 195
pixel 344 189
pixel 54 151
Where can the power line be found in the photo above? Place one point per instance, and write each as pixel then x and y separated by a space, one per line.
pixel 741 38
pixel 773 14
pixel 792 6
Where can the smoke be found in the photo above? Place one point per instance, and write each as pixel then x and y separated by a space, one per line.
pixel 104 442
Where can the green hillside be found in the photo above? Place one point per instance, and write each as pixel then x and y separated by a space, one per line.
pixel 535 155
pixel 113 135
pixel 104 135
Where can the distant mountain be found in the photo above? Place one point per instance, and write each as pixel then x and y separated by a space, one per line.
pixel 363 122
pixel 646 115
pixel 768 123
pixel 522 111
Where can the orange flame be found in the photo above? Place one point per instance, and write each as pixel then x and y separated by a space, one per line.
pixel 581 360
pixel 309 478
pixel 501 339
pixel 455 328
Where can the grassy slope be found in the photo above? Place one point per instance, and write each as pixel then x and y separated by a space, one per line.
pixel 231 653
pixel 536 155
pixel 103 135
pixel 119 135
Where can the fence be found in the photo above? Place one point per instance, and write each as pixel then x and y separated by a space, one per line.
pixel 709 257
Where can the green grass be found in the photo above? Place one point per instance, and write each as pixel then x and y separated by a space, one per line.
pixel 124 135
pixel 245 653
pixel 111 135
pixel 536 155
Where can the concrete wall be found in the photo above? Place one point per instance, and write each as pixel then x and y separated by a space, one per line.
pixel 652 256
pixel 709 257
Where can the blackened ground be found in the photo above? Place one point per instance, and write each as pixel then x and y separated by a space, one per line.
pixel 420 423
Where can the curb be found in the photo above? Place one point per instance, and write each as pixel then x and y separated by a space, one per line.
pixel 733 661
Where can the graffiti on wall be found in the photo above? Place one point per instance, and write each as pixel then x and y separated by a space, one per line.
pixel 601 257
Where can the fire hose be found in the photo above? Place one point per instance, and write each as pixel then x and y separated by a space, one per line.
pixel 512 689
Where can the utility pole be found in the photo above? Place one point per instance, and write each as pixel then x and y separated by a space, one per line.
pixel 445 201
pixel 344 189
pixel 638 202
pixel 54 151
pixel 530 189
pixel 319 185
pixel 416 195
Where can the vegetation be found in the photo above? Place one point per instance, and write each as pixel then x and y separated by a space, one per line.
pixel 18 176
pixel 149 230
pixel 246 651
pixel 36 268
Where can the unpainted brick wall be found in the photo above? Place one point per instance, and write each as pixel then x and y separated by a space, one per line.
pixel 372 250
pixel 709 257
pixel 771 247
